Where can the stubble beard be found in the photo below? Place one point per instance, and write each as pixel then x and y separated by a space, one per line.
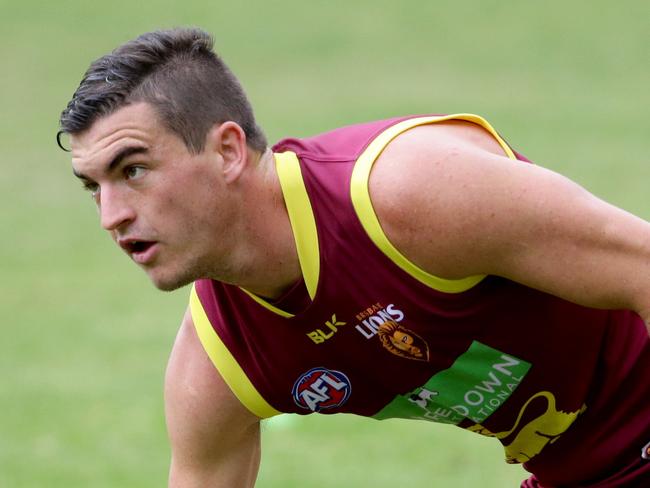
pixel 177 283
pixel 192 271
pixel 173 280
pixel 179 269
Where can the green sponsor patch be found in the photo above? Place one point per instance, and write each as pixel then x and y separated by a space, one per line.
pixel 475 386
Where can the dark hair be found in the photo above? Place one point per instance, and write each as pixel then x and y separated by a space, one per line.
pixel 179 74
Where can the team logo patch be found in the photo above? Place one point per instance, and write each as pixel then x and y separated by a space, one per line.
pixel 403 342
pixel 320 389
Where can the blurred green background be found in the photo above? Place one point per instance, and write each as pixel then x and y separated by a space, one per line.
pixel 85 337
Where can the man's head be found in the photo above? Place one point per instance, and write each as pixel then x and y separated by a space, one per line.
pixel 161 134
pixel 177 73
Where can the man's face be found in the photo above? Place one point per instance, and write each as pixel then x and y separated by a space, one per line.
pixel 161 204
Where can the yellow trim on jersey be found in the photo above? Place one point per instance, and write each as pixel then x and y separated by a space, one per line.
pixel 303 225
pixel 363 205
pixel 301 217
pixel 226 364
pixel 266 304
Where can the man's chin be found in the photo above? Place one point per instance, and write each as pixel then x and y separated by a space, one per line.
pixel 170 283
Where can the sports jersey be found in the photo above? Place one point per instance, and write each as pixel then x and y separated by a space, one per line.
pixel 561 386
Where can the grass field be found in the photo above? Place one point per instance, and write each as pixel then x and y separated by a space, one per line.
pixel 85 336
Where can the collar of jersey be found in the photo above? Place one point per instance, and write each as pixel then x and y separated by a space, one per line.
pixel 303 225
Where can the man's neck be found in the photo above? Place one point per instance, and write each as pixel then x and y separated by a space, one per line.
pixel 267 259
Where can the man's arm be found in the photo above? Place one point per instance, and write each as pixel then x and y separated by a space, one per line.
pixel 449 199
pixel 215 440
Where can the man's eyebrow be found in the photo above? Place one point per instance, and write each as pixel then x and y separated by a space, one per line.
pixel 117 159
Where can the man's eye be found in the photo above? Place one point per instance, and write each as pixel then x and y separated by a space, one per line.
pixel 134 172
pixel 90 187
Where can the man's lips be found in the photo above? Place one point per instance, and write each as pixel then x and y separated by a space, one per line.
pixel 140 250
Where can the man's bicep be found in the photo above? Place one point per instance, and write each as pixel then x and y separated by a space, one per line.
pixel 215 440
pixel 538 228
pixel 549 233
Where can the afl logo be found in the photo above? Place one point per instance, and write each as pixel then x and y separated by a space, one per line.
pixel 319 389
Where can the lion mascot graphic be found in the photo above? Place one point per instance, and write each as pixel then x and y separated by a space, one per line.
pixel 403 342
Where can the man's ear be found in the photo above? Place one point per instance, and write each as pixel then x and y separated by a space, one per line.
pixel 228 141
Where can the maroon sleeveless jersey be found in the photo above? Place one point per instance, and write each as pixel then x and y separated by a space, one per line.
pixel 563 387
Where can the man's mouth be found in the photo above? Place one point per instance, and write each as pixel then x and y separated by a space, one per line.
pixel 140 246
pixel 140 251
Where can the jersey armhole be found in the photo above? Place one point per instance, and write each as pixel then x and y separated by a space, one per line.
pixel 225 363
pixel 362 203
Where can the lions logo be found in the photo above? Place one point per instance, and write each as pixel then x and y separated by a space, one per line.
pixel 403 342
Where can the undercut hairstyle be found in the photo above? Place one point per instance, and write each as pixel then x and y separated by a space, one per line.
pixel 179 74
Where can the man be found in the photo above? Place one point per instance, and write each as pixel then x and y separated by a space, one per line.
pixel 415 267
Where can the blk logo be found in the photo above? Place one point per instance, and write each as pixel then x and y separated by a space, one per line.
pixel 320 388
pixel 319 336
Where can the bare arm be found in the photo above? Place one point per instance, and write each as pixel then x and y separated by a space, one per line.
pixel 215 440
pixel 450 200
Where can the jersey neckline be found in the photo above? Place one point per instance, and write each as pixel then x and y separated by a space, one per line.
pixel 303 225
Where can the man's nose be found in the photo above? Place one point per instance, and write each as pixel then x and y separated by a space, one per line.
pixel 114 209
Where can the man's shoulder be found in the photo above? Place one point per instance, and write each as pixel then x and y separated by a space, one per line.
pixel 431 190
pixel 345 142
